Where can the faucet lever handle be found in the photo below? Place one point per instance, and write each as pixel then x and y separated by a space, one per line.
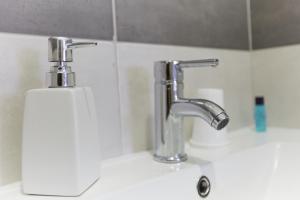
pixel 166 71
pixel 199 63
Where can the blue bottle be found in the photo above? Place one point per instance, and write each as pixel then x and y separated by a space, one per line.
pixel 260 114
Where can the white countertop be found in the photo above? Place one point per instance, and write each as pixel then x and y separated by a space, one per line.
pixel 117 174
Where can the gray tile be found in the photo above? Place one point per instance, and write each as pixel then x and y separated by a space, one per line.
pixel 275 22
pixel 76 18
pixel 210 23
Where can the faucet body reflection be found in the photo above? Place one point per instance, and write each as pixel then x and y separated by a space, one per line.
pixel 171 107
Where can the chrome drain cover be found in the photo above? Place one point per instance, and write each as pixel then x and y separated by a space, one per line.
pixel 203 187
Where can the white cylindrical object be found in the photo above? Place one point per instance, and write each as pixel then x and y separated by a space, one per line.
pixel 203 134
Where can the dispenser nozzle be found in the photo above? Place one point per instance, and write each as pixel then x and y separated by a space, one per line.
pixel 60 48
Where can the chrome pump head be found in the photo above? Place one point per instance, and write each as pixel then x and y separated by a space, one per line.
pixel 60 51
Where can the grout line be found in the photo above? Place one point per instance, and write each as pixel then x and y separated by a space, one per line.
pixel 114 17
pixel 249 25
pixel 250 40
pixel 116 65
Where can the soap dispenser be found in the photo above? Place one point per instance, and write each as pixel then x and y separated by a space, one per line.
pixel 60 147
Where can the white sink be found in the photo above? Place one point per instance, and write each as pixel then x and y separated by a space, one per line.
pixel 267 172
pixel 253 166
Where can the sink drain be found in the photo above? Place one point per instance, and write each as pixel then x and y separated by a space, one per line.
pixel 203 187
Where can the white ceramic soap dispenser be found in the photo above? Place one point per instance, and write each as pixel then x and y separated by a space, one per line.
pixel 60 153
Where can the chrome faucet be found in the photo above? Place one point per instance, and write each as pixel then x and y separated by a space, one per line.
pixel 171 107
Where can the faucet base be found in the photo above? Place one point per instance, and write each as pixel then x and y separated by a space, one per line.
pixel 172 159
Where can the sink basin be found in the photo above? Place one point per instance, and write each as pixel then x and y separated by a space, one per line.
pixel 267 172
pixel 253 166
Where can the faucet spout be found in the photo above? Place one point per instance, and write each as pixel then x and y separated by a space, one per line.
pixel 209 111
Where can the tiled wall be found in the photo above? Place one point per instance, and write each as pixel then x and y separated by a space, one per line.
pixel 275 23
pixel 275 60
pixel 276 76
pixel 73 18
pixel 208 23
pixel 120 73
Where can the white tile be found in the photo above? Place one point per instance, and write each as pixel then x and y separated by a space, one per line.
pixel 96 68
pixel 23 63
pixel 136 86
pixel 276 73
